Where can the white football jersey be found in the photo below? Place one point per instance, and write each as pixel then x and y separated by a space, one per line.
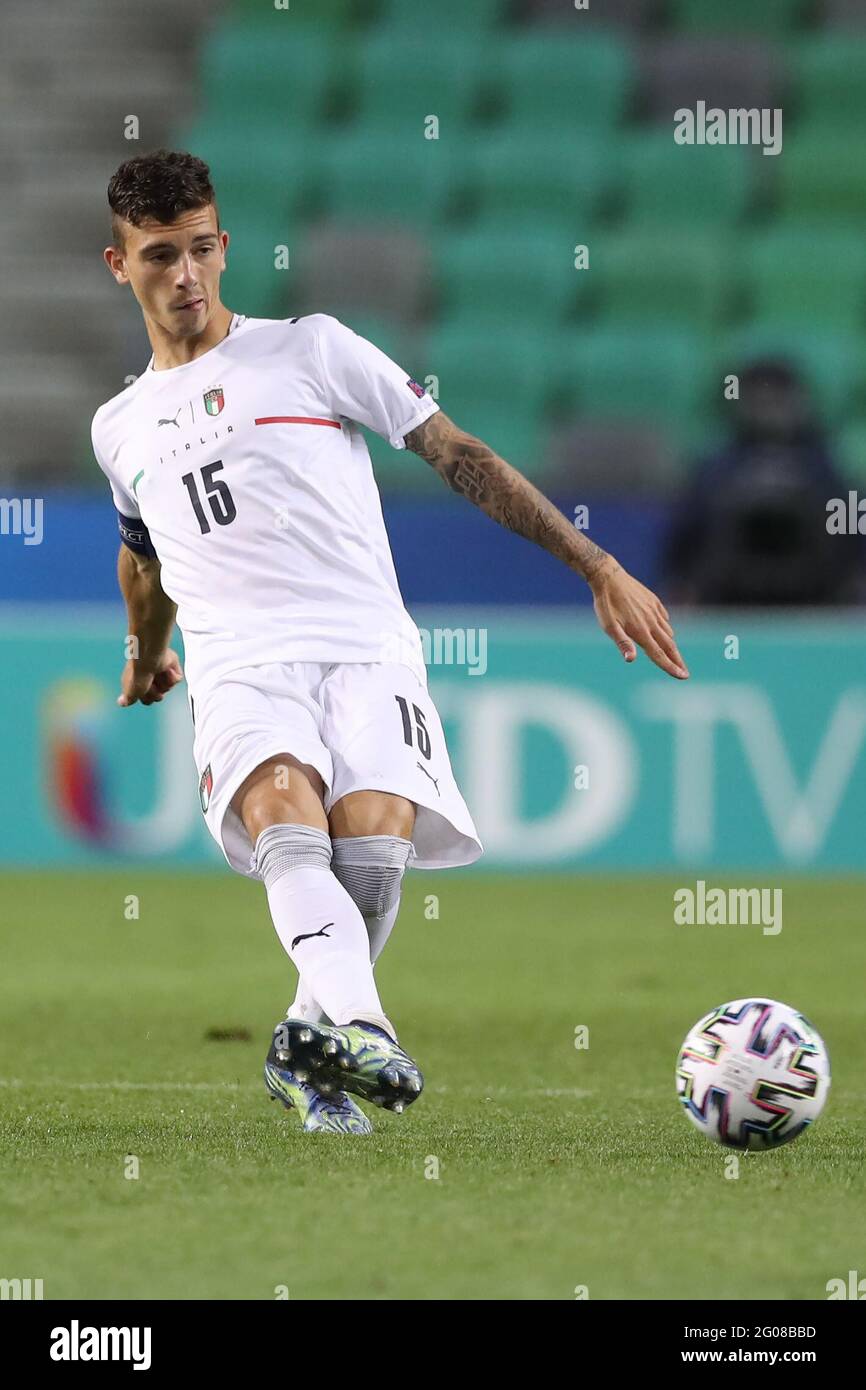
pixel 249 471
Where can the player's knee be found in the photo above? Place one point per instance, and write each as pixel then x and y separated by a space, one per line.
pixel 372 813
pixel 275 808
pixel 370 868
pixel 281 791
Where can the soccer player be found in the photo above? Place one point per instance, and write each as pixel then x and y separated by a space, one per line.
pixel 249 513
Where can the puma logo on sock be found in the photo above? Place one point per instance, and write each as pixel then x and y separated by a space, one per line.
pixel 323 931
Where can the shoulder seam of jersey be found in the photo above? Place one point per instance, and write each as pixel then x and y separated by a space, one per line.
pixel 323 377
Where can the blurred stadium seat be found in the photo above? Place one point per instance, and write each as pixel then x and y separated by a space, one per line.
pixel 452 16
pixel 404 77
pixel 493 382
pixel 772 17
pixel 377 269
pixel 679 71
pixel 829 80
pixel 623 14
pixel 527 177
pixel 683 279
pixel 394 174
pixel 844 14
pixel 798 275
pixel 561 84
pixel 492 274
pixel 245 68
pixel 671 186
pixel 652 373
pixel 631 458
pixel 255 165
pixel 336 15
pixel 821 181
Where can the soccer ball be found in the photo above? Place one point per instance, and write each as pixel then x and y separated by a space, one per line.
pixel 753 1074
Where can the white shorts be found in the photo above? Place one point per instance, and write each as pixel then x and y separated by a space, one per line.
pixel 362 725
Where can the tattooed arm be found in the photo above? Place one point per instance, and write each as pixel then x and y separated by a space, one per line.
pixel 627 611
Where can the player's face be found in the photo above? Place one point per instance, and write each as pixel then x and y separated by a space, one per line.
pixel 174 269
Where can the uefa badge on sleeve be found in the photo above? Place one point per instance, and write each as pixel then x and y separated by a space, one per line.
pixel 214 400
pixel 205 787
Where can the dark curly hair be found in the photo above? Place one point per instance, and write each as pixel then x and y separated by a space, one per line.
pixel 160 185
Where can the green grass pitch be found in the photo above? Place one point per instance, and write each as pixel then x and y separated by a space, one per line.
pixel 558 1168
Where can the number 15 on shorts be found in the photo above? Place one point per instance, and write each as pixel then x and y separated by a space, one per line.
pixel 415 732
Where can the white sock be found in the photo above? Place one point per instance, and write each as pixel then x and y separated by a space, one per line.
pixel 305 1006
pixel 378 930
pixel 318 924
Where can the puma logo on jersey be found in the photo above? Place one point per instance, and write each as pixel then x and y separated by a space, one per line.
pixel 323 931
pixel 171 422
pixel 434 780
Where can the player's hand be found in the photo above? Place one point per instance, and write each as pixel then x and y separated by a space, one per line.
pixel 146 685
pixel 630 613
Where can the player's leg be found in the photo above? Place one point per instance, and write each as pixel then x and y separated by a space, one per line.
pixel 279 805
pixel 332 953
pixel 371 834
pixel 239 726
pixel 309 804
pixel 321 929
pixel 371 837
pixel 371 840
